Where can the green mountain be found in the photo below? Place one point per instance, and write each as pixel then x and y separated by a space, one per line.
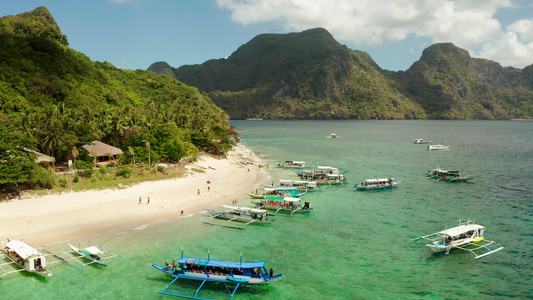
pixel 309 75
pixel 54 99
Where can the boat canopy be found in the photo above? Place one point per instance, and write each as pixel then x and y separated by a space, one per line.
pixel 294 162
pixel 378 180
pixel 455 231
pixel 291 199
pixel 22 249
pixel 222 263
pixel 245 209
pixel 93 250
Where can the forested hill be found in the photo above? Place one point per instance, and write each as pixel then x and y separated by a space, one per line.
pixel 309 75
pixel 54 99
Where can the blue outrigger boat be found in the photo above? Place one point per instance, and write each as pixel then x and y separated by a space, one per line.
pixel 210 270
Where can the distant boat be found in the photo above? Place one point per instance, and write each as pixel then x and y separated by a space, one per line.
pixel 293 164
pixel 333 136
pixel 25 257
pixel 377 184
pixel 228 272
pixel 465 236
pixel 422 141
pixel 438 147
pixel 447 175
pixel 254 119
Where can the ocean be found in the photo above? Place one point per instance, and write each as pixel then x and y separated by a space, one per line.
pixel 355 245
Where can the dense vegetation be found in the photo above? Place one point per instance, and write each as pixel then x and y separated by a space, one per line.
pixel 54 100
pixel 309 75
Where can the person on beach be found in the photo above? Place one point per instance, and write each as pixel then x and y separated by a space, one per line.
pixel 198 192
pixel 182 212
pixel 140 200
pixel 208 188
pixel 148 202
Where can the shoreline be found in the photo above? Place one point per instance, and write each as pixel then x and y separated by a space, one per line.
pixel 66 216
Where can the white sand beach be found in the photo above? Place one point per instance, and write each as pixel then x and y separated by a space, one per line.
pixel 75 215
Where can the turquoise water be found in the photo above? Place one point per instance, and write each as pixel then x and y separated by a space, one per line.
pixel 356 245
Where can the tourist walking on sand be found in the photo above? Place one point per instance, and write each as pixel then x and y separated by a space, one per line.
pixel 198 192
pixel 140 200
pixel 148 202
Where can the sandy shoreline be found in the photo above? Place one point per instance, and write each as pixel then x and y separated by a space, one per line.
pixel 77 215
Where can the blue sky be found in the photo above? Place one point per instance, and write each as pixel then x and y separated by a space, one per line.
pixel 133 34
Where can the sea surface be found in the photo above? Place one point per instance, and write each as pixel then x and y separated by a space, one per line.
pixel 355 245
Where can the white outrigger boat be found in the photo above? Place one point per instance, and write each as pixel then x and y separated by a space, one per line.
pixel 465 236
pixel 293 164
pixel 276 193
pixel 378 184
pixel 447 175
pixel 286 205
pixel 421 141
pixel 300 185
pixel 92 253
pixel 25 257
pixel 246 215
pixel 324 175
pixel 438 147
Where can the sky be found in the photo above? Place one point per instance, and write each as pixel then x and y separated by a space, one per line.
pixel 133 34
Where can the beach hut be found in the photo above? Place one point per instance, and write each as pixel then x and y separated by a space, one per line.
pixel 102 153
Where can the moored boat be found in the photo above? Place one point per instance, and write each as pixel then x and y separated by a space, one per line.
pixel 324 175
pixel 466 236
pixel 447 175
pixel 276 193
pixel 421 141
pixel 229 272
pixel 293 164
pixel 377 184
pixel 438 147
pixel 285 205
pixel 92 253
pixel 246 215
pixel 26 257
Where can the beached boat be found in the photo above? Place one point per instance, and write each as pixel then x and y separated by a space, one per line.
pixel 378 184
pixel 92 253
pixel 324 175
pixel 438 147
pixel 421 141
pixel 286 205
pixel 465 236
pixel 26 258
pixel 210 270
pixel 276 193
pixel 246 215
pixel 447 175
pixel 293 164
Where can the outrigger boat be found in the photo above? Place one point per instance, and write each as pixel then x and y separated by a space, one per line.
pixel 301 185
pixel 25 257
pixel 447 175
pixel 438 147
pixel 210 270
pixel 378 184
pixel 465 236
pixel 293 164
pixel 324 175
pixel 92 253
pixel 421 141
pixel 285 205
pixel 276 193
pixel 246 215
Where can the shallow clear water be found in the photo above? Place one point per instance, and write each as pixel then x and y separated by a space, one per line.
pixel 356 245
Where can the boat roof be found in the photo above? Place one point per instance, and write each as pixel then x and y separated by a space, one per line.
pixel 455 231
pixel 378 180
pixel 295 162
pixel 93 250
pixel 291 199
pixel 23 250
pixel 245 209
pixel 222 263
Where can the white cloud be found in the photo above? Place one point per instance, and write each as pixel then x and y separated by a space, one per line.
pixel 469 24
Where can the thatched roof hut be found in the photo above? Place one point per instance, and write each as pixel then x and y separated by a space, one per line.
pixel 102 152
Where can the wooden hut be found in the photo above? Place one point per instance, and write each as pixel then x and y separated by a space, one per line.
pixel 102 153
